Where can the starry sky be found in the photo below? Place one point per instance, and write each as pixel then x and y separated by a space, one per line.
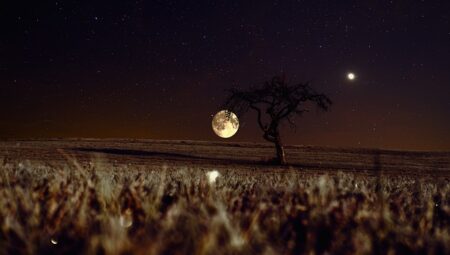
pixel 159 69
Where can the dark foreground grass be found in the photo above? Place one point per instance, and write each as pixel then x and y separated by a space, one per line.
pixel 104 209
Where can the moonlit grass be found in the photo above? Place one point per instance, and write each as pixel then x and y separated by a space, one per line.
pixel 212 176
pixel 126 219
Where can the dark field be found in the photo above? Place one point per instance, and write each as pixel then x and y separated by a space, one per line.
pixel 245 156
pixel 186 197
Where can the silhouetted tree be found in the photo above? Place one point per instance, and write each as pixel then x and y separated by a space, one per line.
pixel 274 102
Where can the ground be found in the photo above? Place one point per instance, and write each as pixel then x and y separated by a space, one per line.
pixel 157 197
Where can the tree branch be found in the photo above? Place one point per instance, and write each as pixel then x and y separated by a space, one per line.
pixel 258 111
pixel 269 138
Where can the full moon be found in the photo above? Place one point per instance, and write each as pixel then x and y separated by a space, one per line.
pixel 225 124
pixel 351 76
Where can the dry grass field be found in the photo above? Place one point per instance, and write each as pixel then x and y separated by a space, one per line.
pixel 186 197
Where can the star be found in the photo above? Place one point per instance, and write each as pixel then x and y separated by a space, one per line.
pixel 351 76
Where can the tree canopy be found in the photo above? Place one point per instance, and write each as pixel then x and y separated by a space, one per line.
pixel 275 101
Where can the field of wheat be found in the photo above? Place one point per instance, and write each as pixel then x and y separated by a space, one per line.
pixel 104 209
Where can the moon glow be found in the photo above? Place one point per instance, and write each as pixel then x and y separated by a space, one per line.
pixel 225 124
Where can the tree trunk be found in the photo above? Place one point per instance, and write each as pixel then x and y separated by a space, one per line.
pixel 281 158
pixel 272 135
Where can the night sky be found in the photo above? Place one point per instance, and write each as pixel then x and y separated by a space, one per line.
pixel 159 69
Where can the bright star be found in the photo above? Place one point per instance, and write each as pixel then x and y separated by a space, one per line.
pixel 351 76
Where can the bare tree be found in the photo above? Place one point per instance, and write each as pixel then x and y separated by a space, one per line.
pixel 274 102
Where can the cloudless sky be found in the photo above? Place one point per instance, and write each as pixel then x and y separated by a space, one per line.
pixel 159 69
